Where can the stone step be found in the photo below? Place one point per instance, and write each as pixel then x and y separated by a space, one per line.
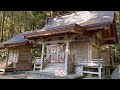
pixel 53 67
pixel 48 75
pixel 42 75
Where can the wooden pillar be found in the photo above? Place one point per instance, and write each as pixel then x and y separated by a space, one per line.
pixel 7 57
pixel 58 54
pixel 81 68
pixel 47 56
pixel 66 57
pixel 42 57
pixel 89 50
pixel 104 72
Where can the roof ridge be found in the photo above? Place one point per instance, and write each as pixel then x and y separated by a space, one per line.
pixel 63 14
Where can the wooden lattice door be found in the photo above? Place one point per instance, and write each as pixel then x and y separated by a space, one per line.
pixel 54 54
pixel 53 51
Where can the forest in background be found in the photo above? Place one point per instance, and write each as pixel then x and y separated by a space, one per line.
pixel 16 22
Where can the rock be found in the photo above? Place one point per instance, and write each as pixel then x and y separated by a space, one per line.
pixel 116 73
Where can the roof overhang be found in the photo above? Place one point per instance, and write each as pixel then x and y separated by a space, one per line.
pixel 12 45
pixel 98 21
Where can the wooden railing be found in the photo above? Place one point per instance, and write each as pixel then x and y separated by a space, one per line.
pixel 46 61
pixel 100 64
pixel 92 62
pixel 2 64
pixel 37 62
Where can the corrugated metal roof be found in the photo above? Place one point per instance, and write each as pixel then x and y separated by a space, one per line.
pixel 15 40
pixel 82 18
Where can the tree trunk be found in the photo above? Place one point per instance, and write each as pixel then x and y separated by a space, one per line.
pixel 5 30
pixel 2 26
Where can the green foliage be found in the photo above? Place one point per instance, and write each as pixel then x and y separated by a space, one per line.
pixel 36 52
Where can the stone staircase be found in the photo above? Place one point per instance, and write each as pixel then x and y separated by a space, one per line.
pixel 49 72
pixel 53 67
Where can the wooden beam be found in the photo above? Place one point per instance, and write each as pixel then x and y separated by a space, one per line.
pixel 63 41
pixel 112 38
pixel 17 44
pixel 42 56
pixel 57 41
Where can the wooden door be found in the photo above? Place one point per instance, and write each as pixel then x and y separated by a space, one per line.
pixel 57 53
pixel 53 51
pixel 53 54
pixel 61 54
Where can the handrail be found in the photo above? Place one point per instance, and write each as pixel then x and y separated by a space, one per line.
pixel 94 62
pixel 2 64
pixel 46 61
pixel 91 62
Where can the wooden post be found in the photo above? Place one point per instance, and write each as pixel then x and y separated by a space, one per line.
pixel 42 57
pixel 58 54
pixel 99 71
pixel 90 57
pixel 89 51
pixel 66 57
pixel 81 67
pixel 7 57
pixel 47 54
pixel 90 54
pixel 34 66
pixel 104 72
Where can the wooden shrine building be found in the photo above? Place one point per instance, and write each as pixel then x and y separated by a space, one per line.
pixel 76 40
pixel 19 55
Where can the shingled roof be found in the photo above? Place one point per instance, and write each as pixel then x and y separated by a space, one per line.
pixel 81 18
pixel 17 39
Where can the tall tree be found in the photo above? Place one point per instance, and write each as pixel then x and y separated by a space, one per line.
pixel 2 26
pixel 15 22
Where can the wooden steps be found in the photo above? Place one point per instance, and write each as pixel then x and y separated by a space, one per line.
pixel 7 69
pixel 53 67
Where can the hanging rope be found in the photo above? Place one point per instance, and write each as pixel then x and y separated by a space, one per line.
pixel 62 45
pixel 58 46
